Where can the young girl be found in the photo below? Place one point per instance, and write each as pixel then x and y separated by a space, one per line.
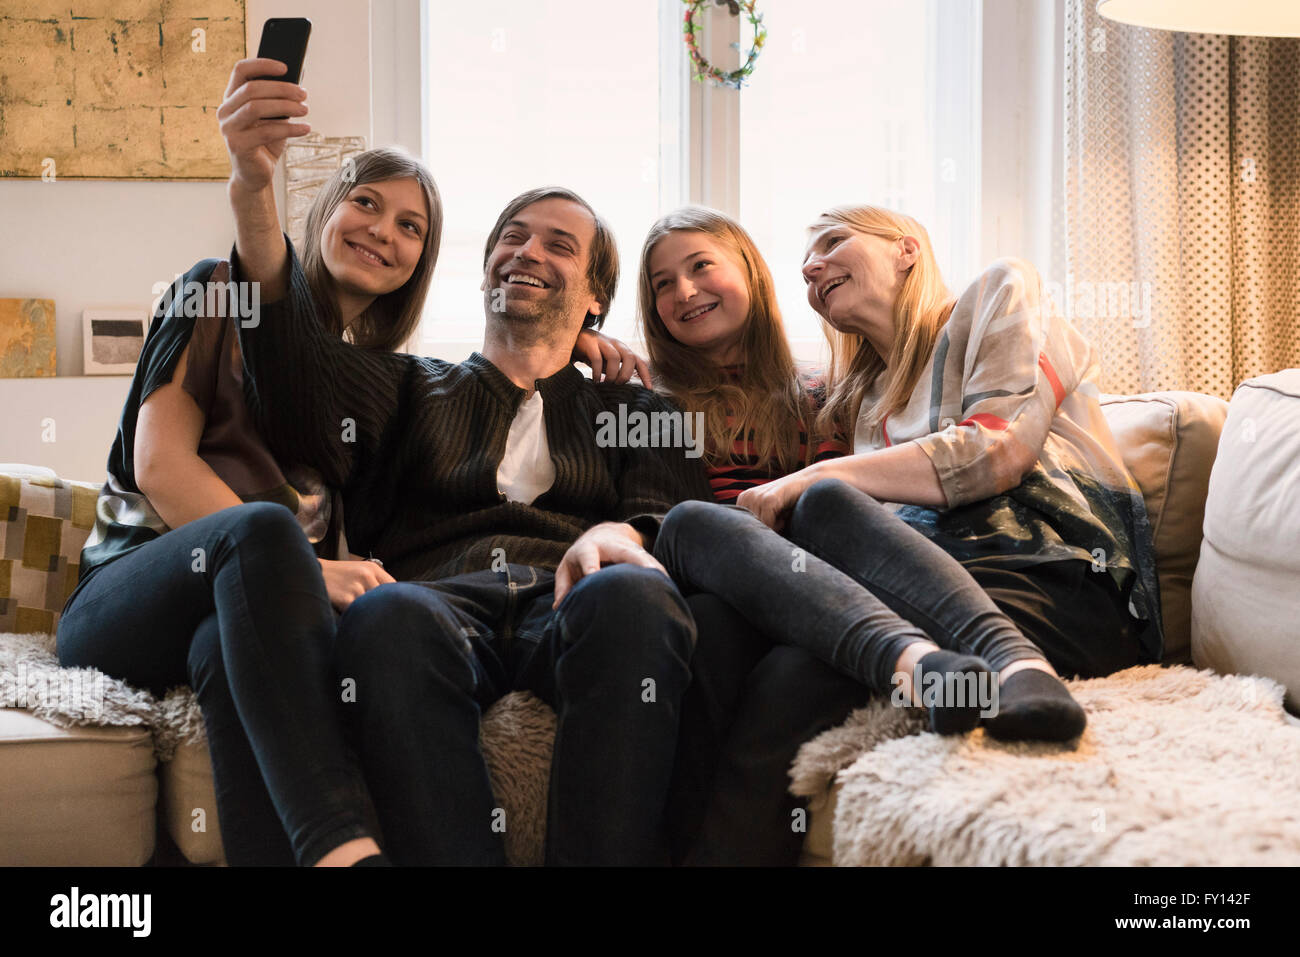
pixel 194 572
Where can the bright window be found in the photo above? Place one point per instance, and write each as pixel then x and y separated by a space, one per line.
pixel 531 93
pixel 851 103
pixel 871 101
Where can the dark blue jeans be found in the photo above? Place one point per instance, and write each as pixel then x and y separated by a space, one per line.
pixel 849 582
pixel 248 623
pixel 428 658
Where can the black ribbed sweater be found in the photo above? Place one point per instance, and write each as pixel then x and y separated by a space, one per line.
pixel 414 444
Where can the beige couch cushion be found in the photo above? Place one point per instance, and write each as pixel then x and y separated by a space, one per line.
pixel 1246 596
pixel 188 805
pixel 819 846
pixel 75 796
pixel 1168 442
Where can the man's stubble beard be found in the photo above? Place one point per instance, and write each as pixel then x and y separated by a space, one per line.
pixel 535 321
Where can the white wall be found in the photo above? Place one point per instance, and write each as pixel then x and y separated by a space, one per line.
pixel 88 244
pixel 66 424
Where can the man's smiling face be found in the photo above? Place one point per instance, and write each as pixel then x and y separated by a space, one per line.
pixel 537 271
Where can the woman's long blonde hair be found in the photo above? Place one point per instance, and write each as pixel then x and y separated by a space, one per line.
pixel 919 316
pixel 767 397
pixel 391 319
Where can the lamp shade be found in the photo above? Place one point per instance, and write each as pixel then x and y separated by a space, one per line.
pixel 1243 18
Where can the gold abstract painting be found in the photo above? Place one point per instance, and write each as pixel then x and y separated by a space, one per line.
pixel 116 89
pixel 26 338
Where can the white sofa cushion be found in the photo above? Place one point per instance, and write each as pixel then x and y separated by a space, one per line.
pixel 1246 595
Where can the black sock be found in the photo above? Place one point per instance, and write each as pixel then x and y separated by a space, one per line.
pixel 1035 706
pixel 374 860
pixel 962 714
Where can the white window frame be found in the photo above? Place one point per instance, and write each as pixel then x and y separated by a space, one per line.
pixel 711 152
pixel 957 111
pixel 397 87
pixel 714 116
pixel 675 97
pixel 1022 135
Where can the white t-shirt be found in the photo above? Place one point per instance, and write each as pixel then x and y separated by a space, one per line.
pixel 526 469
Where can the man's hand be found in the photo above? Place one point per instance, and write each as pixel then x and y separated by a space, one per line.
pixel 253 141
pixel 610 359
pixel 347 581
pixel 609 543
pixel 773 501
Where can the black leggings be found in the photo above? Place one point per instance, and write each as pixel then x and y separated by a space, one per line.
pixel 1075 615
pixel 234 604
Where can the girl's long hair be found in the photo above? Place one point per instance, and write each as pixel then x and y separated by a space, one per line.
pixel 391 319
pixel 919 316
pixel 766 398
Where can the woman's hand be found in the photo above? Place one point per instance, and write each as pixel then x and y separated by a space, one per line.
pixel 773 501
pixel 610 359
pixel 255 144
pixel 347 581
pixel 253 141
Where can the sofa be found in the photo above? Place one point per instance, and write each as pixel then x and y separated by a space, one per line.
pixel 138 789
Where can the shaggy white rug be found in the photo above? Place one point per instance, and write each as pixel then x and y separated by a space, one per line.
pixel 1176 767
pixel 516 735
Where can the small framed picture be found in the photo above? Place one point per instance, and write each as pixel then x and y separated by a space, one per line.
pixel 112 340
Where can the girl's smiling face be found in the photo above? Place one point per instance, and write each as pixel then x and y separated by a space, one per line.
pixel 373 240
pixel 700 292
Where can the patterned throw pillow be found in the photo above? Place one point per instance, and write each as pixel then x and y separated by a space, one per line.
pixel 43 524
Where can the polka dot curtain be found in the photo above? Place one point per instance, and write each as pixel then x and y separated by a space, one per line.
pixel 1180 218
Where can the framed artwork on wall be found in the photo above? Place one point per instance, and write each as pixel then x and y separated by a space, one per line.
pixel 112 339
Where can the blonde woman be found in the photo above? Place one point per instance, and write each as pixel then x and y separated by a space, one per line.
pixel 980 415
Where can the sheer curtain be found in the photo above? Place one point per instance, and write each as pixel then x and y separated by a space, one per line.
pixel 1179 223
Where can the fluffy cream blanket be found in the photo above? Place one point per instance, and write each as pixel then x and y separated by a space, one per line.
pixel 1176 767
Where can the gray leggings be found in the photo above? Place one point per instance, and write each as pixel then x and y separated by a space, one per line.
pixel 852 583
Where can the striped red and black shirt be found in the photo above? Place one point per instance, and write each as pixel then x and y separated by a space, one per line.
pixel 745 470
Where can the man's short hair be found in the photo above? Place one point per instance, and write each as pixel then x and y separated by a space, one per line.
pixel 602 258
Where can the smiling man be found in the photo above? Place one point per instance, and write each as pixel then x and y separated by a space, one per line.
pixel 518 542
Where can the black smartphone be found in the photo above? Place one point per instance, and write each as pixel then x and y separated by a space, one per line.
pixel 285 39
